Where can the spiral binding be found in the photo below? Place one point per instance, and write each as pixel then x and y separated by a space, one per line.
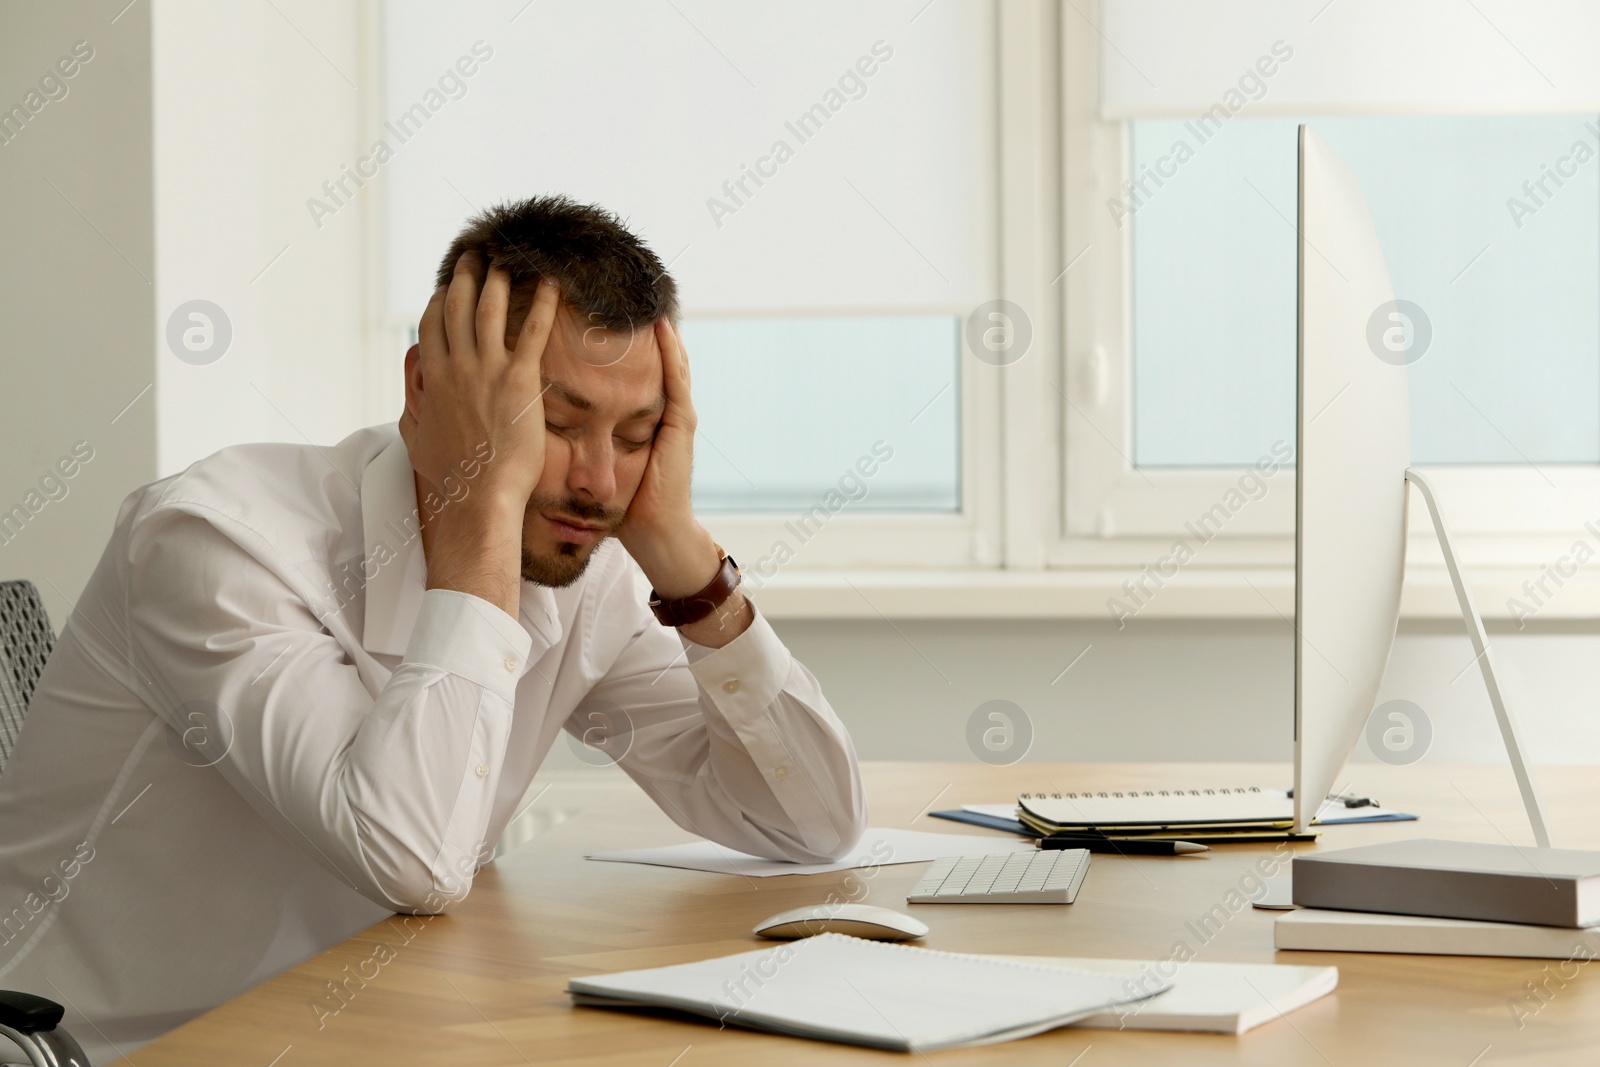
pixel 1240 791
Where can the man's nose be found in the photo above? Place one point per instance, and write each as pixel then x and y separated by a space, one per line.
pixel 593 470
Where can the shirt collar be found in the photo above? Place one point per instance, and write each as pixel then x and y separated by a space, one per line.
pixel 396 568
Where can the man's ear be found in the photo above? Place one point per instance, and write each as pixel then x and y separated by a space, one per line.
pixel 414 380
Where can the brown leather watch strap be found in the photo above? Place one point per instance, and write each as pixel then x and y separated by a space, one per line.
pixel 685 610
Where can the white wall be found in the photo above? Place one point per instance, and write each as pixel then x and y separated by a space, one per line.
pixel 1181 690
pixel 1177 691
pixel 77 301
pixel 251 118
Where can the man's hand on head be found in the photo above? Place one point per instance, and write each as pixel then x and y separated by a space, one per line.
pixel 472 400
pixel 660 532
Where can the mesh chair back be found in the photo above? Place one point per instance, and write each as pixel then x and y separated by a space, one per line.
pixel 25 643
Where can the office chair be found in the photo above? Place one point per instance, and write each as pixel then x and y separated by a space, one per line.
pixel 25 643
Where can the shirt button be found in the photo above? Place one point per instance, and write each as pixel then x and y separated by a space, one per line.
pixel 512 663
pixel 781 772
pixel 483 770
pixel 731 685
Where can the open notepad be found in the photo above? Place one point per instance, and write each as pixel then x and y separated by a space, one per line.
pixel 890 996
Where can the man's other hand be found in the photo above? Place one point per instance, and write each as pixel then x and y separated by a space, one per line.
pixel 470 400
pixel 675 552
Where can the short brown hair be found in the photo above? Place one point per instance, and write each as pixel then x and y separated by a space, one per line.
pixel 605 272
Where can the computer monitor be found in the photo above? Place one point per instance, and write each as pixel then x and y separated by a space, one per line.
pixel 1353 455
pixel 1352 447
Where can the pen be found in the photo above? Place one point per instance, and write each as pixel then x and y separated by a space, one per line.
pixel 1125 847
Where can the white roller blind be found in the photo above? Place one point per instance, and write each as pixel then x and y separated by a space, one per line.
pixel 883 200
pixel 1169 58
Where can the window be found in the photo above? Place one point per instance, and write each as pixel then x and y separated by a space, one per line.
pixel 820 180
pixel 1500 253
pixel 864 181
pixel 795 408
pixel 1178 363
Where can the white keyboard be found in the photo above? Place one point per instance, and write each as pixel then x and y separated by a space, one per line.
pixel 1044 876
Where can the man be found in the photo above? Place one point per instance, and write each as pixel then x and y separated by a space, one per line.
pixel 307 687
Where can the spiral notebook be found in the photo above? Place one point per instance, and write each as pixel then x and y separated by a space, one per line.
pixel 872 993
pixel 1170 812
pixel 1234 808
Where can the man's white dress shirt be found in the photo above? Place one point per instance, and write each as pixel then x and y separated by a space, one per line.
pixel 260 733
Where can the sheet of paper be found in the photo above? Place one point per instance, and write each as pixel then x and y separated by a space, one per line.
pixel 877 847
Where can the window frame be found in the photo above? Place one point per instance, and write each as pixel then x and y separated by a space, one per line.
pixel 1505 517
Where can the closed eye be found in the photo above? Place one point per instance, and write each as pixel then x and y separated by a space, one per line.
pixel 625 443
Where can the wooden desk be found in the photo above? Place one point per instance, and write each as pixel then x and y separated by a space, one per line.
pixel 483 985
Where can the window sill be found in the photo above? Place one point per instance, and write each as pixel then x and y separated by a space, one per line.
pixel 1083 594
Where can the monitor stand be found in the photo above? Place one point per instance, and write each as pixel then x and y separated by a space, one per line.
pixel 1480 645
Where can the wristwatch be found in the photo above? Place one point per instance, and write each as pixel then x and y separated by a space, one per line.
pixel 685 610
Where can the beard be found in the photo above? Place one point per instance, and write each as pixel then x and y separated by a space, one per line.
pixel 566 564
pixel 562 568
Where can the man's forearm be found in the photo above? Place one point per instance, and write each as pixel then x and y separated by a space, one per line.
pixel 681 564
pixel 475 546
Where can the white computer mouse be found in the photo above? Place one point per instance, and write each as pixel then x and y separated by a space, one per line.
pixel 857 920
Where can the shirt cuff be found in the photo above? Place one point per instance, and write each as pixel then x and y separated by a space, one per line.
pixel 744 676
pixel 468 636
